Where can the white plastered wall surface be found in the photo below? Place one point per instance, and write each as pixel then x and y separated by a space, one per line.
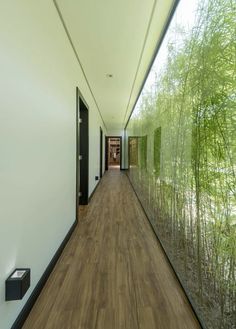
pixel 38 78
pixel 94 150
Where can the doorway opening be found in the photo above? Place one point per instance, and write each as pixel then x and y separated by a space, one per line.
pixel 83 151
pixel 113 152
pixel 101 151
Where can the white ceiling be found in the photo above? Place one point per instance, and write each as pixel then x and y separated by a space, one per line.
pixel 115 37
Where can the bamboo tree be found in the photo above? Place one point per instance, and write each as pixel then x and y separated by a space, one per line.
pixel 188 183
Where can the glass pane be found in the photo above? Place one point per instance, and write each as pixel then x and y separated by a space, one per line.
pixel 182 146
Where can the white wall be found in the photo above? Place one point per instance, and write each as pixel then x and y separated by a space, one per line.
pixel 38 79
pixel 94 152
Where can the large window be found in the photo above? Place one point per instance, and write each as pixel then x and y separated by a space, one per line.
pixel 189 186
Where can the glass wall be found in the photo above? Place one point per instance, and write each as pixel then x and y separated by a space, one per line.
pixel 182 152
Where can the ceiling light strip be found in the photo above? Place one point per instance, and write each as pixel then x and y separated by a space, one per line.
pixel 77 57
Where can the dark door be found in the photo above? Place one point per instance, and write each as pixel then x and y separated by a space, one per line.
pixel 106 152
pixel 101 151
pixel 83 152
pixel 77 156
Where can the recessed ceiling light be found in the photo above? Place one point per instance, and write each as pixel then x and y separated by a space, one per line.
pixel 109 75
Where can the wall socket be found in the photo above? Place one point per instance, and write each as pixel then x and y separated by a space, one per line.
pixel 96 178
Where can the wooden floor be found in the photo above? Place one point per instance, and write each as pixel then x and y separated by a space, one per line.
pixel 112 273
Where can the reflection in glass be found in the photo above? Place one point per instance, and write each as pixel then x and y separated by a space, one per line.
pixel 182 164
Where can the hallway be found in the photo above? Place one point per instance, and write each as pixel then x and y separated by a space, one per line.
pixel 112 273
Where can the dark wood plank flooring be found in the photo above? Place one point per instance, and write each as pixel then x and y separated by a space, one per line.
pixel 112 273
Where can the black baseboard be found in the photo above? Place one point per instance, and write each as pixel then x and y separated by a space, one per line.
pixel 124 169
pixel 95 188
pixel 201 323
pixel 35 293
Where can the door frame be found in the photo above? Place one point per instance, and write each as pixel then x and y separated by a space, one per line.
pixel 79 99
pixel 77 166
pixel 106 153
pixel 101 153
pixel 107 150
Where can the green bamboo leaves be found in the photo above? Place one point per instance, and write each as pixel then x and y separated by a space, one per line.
pixel 184 150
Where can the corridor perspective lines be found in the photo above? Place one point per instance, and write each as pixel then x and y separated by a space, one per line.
pixel 112 274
